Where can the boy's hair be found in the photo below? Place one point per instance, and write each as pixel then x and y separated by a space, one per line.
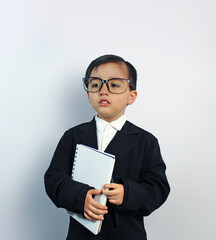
pixel 113 58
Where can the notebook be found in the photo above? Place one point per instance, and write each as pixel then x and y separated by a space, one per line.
pixel 94 168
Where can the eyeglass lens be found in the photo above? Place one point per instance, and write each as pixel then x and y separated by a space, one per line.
pixel 114 85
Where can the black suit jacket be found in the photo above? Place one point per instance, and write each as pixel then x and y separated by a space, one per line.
pixel 139 167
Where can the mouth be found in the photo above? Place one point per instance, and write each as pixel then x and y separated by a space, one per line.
pixel 104 102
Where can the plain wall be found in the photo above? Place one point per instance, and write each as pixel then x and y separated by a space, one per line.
pixel 45 48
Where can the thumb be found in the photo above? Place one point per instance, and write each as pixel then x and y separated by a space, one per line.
pixel 95 191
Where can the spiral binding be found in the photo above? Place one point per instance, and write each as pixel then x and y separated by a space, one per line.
pixel 74 163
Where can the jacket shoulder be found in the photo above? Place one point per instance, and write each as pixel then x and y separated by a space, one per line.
pixel 80 127
pixel 144 133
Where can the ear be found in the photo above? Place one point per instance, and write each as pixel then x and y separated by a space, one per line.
pixel 132 97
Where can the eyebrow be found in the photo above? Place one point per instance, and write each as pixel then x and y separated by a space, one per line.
pixel 110 78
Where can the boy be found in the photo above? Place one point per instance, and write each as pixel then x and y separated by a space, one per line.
pixel 140 184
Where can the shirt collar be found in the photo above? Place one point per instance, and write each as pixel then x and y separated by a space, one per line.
pixel 117 124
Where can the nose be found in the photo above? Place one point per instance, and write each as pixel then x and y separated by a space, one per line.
pixel 104 90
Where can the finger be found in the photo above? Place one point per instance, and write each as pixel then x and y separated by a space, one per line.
pixel 115 197
pixel 110 185
pixel 97 205
pixel 109 192
pixel 97 211
pixel 88 214
pixel 114 201
pixel 92 216
pixel 95 191
pixel 87 217
pixel 92 201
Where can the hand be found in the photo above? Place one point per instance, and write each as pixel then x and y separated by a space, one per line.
pixel 114 192
pixel 92 209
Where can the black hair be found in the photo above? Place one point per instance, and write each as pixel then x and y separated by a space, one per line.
pixel 113 58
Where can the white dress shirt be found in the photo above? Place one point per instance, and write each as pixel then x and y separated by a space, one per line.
pixel 106 131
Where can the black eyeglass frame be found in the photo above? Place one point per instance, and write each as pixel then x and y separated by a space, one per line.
pixel 85 84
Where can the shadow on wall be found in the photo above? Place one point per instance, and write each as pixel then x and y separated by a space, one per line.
pixel 41 218
pixel 76 107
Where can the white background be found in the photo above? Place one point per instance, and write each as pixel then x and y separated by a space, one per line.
pixel 45 48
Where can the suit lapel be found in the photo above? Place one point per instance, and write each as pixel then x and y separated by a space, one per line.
pixel 123 141
pixel 87 134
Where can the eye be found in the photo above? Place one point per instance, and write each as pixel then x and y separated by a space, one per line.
pixel 95 85
pixel 115 85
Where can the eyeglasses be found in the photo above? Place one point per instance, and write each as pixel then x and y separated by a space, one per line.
pixel 114 85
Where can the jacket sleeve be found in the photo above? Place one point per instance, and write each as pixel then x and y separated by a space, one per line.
pixel 152 189
pixel 62 190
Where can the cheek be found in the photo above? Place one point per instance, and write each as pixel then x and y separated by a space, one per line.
pixel 88 96
pixel 91 99
pixel 124 101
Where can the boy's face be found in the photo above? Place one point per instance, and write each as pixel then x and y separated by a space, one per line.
pixel 110 106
